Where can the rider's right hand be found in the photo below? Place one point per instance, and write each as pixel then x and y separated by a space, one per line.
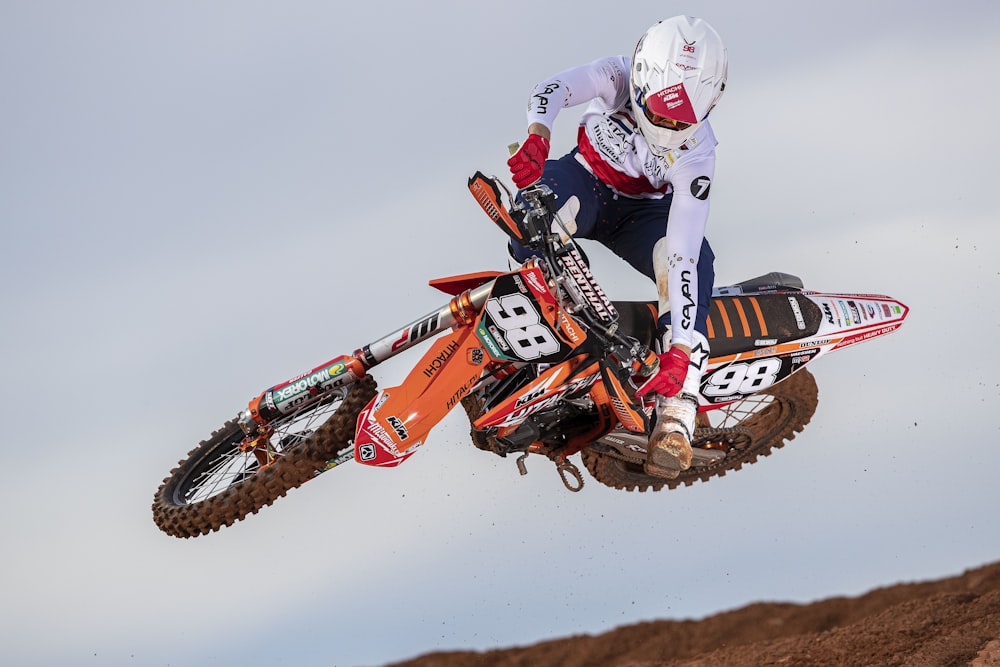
pixel 527 164
pixel 670 378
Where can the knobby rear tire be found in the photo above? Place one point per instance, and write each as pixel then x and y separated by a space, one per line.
pixel 247 493
pixel 792 404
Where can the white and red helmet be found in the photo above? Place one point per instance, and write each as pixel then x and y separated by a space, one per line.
pixel 678 75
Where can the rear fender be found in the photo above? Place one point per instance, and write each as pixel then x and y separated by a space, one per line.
pixel 763 344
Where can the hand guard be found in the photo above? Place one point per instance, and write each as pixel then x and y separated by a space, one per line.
pixel 527 164
pixel 669 379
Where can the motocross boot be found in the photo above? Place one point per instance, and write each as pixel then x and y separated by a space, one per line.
pixel 669 450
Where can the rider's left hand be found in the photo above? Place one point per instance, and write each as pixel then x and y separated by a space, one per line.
pixel 670 378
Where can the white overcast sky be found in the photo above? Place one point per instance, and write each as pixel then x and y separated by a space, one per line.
pixel 201 199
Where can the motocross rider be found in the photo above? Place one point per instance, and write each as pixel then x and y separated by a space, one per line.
pixel 645 154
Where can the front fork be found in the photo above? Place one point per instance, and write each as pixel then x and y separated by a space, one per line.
pixel 303 390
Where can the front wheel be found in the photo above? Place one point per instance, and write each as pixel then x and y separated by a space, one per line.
pixel 724 440
pixel 223 479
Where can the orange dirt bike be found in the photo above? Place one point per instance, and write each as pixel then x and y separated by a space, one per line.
pixel 542 363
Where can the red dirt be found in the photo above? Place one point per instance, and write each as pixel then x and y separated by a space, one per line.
pixel 944 623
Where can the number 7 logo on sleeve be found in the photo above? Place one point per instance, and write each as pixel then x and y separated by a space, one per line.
pixel 700 187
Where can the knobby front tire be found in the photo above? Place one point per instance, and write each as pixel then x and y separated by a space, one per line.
pixel 218 484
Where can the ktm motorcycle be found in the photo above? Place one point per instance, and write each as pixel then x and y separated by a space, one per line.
pixel 542 362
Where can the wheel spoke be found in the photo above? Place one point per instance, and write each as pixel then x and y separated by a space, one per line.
pixel 232 466
pixel 744 431
pixel 224 478
pixel 738 412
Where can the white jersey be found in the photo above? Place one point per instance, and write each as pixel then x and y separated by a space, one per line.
pixel 612 148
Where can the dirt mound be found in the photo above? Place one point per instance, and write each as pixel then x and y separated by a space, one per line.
pixel 949 622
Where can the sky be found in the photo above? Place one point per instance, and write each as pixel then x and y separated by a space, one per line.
pixel 199 200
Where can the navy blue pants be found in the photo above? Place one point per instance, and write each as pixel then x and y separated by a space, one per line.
pixel 628 227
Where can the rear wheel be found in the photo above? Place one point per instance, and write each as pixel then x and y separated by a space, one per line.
pixel 725 439
pixel 223 479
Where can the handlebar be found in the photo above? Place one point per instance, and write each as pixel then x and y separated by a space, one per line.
pixel 531 219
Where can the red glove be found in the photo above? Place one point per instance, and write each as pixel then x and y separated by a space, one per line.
pixel 527 164
pixel 668 381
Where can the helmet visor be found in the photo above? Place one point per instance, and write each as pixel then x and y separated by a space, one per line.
pixel 660 121
pixel 669 108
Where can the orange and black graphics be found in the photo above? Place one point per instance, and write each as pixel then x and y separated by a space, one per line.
pixel 487 193
pixel 739 323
